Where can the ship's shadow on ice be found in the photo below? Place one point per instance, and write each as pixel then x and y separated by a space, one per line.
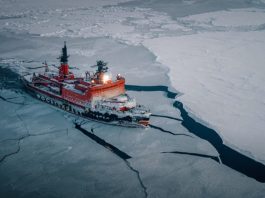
pixel 228 156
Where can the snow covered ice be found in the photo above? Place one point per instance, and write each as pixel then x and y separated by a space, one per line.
pixel 209 52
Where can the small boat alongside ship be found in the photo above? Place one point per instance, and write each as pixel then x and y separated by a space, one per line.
pixel 97 96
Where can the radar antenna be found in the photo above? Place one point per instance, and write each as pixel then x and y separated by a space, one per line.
pixel 102 66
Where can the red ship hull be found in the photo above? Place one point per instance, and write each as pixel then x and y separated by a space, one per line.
pixel 96 97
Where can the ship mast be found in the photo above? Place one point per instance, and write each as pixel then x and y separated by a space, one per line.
pixel 64 68
pixel 64 57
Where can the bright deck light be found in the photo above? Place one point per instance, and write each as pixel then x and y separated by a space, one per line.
pixel 106 78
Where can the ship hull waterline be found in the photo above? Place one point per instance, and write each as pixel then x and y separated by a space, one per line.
pixel 75 109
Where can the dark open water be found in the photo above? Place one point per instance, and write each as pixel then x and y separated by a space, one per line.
pixel 229 156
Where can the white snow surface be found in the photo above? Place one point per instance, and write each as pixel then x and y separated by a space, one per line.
pixel 87 20
pixel 221 73
pixel 230 18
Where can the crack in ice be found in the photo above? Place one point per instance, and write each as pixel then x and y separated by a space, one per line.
pixel 215 158
pixel 102 142
pixel 227 155
pixel 8 100
pixel 24 137
pixel 13 153
pixel 138 176
pixel 166 131
pixel 164 116
pixel 28 134
pixel 115 150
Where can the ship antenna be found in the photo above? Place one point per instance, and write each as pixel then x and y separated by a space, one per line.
pixel 46 66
